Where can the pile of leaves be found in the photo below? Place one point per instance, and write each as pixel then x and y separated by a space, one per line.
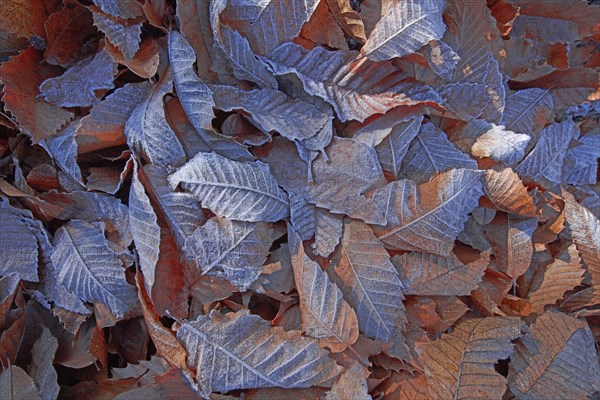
pixel 303 199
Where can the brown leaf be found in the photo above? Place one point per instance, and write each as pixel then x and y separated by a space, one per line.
pixel 403 385
pixel 106 389
pixel 325 314
pixel 557 357
pixel 162 337
pixel 68 30
pixel 510 237
pixel 461 363
pixel 348 19
pixel 21 77
pixel 352 384
pixel 323 28
pixel 506 192
pixel 145 61
pixel 26 18
pixel 564 274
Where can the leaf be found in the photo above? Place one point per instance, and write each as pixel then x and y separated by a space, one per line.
pixel 197 99
pixel 157 365
pixel 482 139
pixel 124 35
pixel 104 125
pixel 392 150
pixel 507 193
pixel 21 76
pixel 429 275
pixel 302 216
pixel 369 282
pixel 146 60
pixel 430 216
pixel 581 161
pixel 510 237
pixel 472 33
pixel 407 26
pixel 195 96
pixel 18 244
pixel 325 313
pixel 41 370
pixel 148 132
pixel 88 268
pixel 163 338
pixel 351 385
pixel 181 210
pixel 348 19
pixel 270 23
pixel 244 63
pixel 62 147
pixel 557 356
pixel 94 207
pixel 16 384
pixel 211 177
pixel 441 59
pixel 564 274
pixel 109 179
pixel 404 385
pixel 120 8
pixel 271 110
pixel 355 162
pixel 239 350
pixel 71 89
pixel 546 159
pixel 328 231
pixel 355 88
pixel 527 111
pixel 461 363
pixel 585 230
pixel 430 154
pixel 67 32
pixel 144 228
pixel 235 250
pixel 172 385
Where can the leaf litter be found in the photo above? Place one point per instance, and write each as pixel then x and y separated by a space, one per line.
pixel 317 199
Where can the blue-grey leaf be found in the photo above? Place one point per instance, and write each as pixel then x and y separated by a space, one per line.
pixel 356 89
pixel 88 268
pixel 431 153
pixel 62 147
pixel 234 250
pixel 18 244
pixel 338 184
pixel 126 36
pixel 268 23
pixel 243 191
pixel 243 351
pixel 430 216
pixel 76 87
pixel 145 230
pixel 483 139
pixel 369 282
pixel 406 27
pixel 148 133
pixel 182 211
pixel 244 63
pixel 547 157
pixel 197 99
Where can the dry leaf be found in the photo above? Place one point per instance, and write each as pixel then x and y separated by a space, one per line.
pixel 461 363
